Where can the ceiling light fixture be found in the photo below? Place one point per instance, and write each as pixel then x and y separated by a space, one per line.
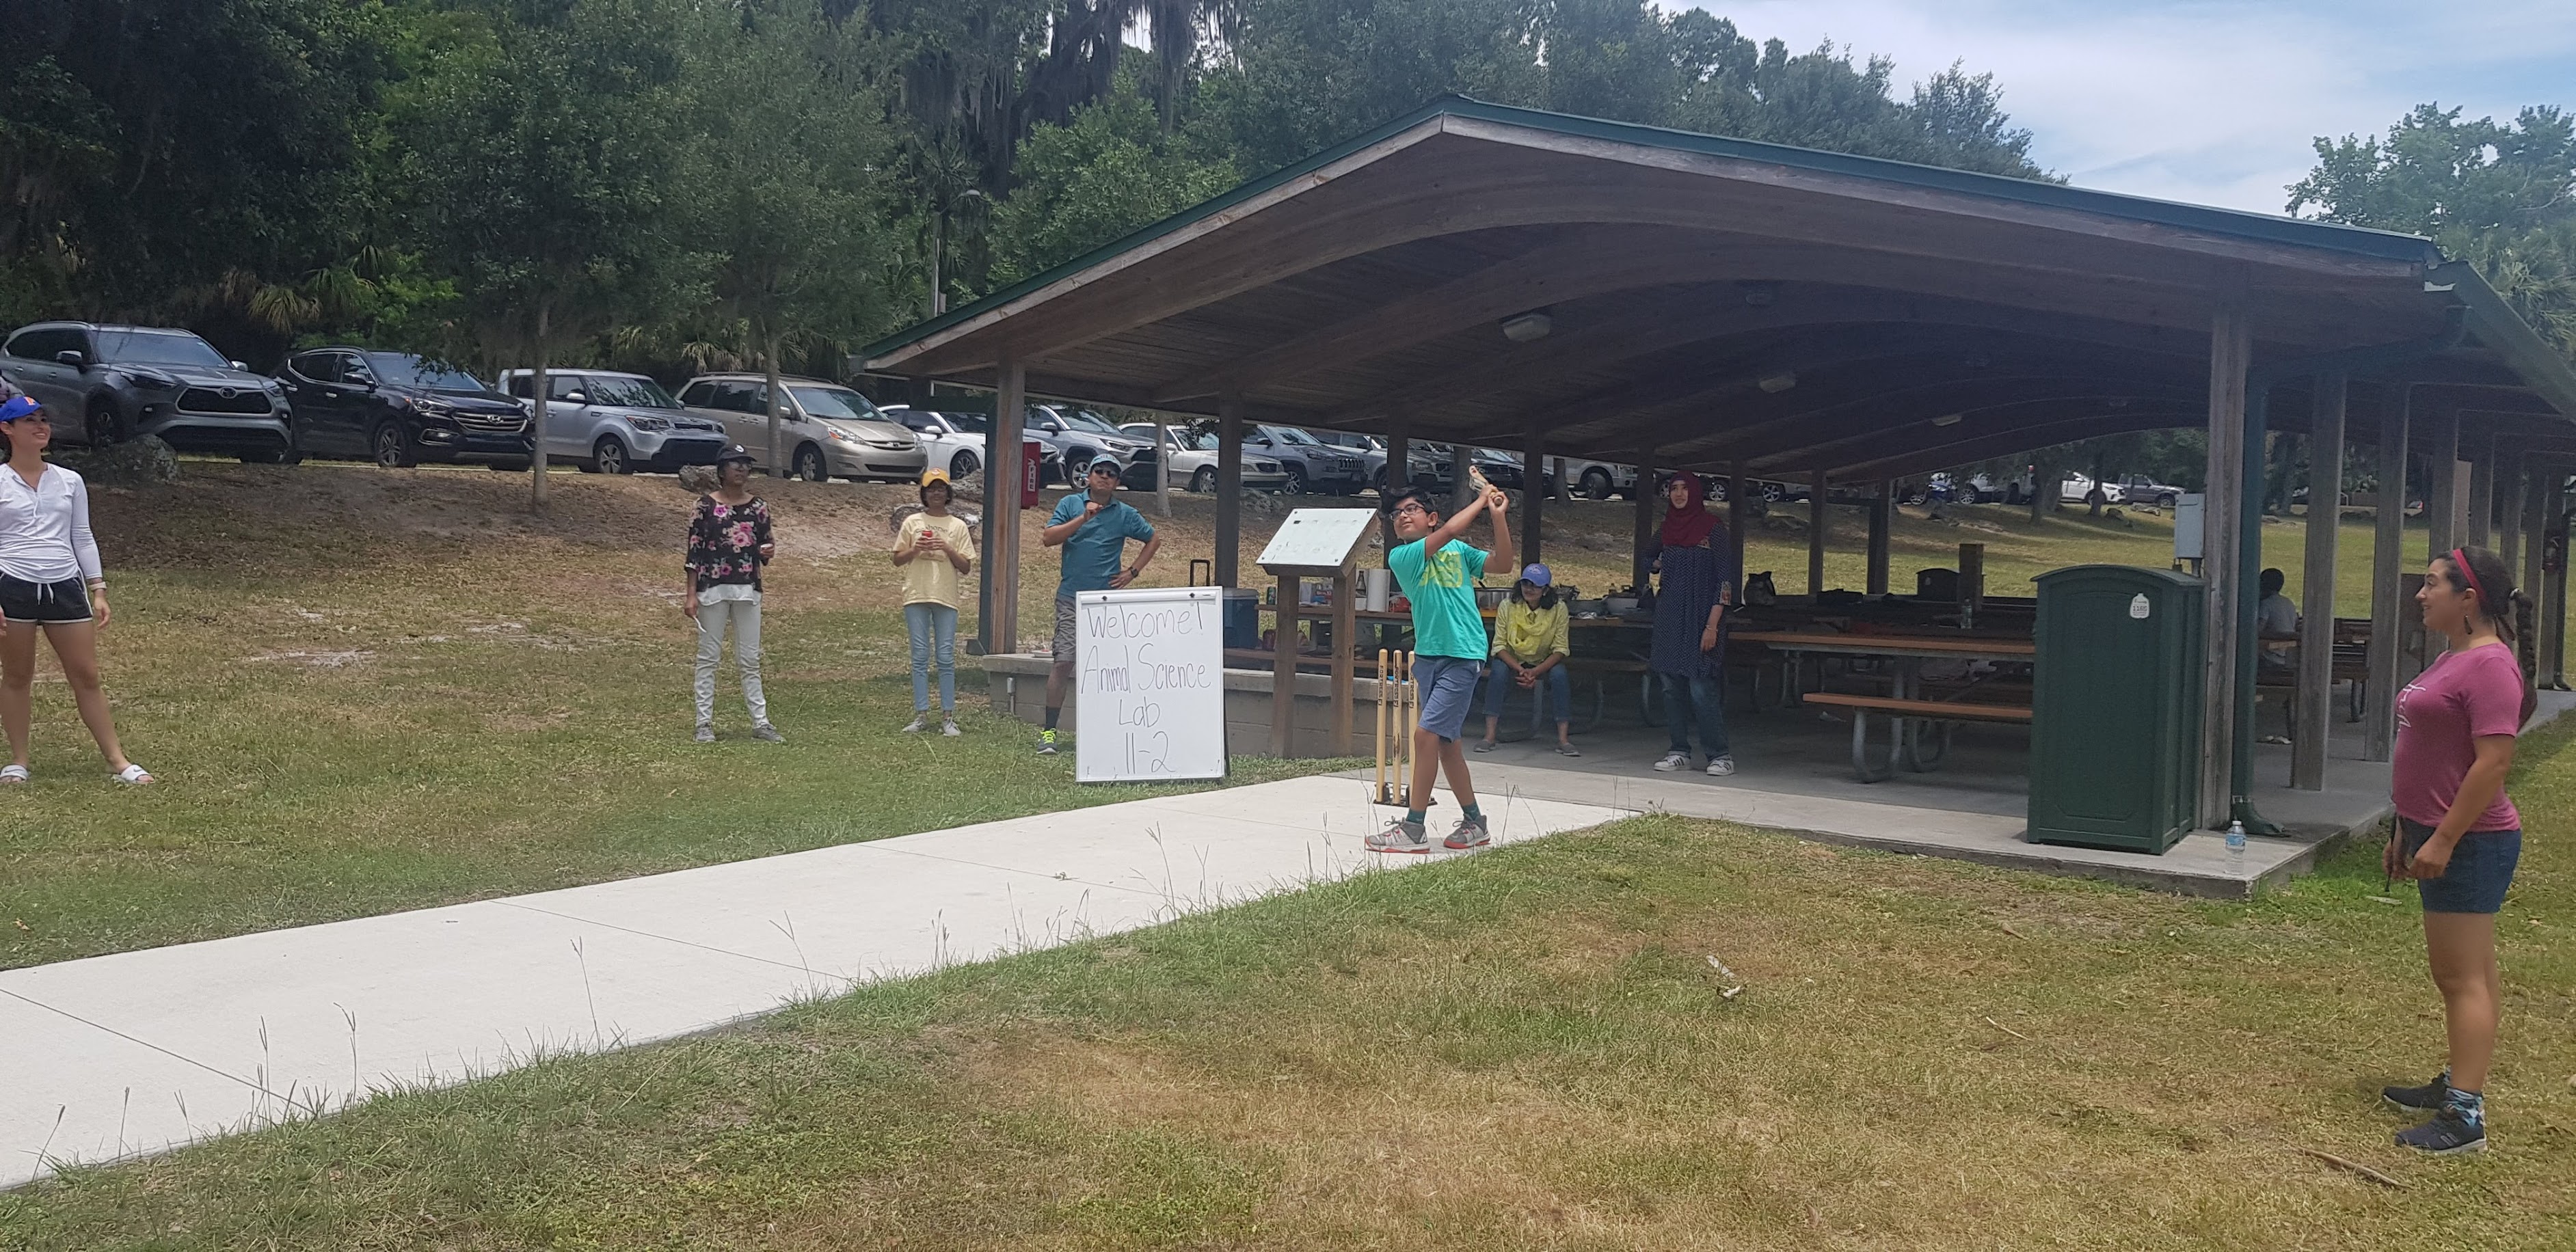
pixel 1777 383
pixel 1949 419
pixel 1524 327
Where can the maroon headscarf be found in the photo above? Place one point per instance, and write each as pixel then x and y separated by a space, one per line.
pixel 1688 526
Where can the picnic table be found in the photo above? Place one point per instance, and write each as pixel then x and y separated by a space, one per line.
pixel 1910 716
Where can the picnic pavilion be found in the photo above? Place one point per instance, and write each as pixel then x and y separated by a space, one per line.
pixel 1564 286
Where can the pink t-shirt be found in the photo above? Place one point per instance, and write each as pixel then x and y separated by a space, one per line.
pixel 2460 697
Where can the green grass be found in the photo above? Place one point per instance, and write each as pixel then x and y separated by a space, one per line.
pixel 366 692
pixel 1526 1049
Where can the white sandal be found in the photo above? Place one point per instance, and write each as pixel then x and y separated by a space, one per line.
pixel 132 775
pixel 13 773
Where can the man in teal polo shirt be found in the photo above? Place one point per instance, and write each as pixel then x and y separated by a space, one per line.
pixel 1093 527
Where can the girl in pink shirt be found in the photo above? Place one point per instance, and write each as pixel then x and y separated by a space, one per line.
pixel 2457 833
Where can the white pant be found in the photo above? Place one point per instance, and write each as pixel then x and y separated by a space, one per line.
pixel 744 615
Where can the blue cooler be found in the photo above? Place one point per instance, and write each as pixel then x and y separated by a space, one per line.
pixel 1242 618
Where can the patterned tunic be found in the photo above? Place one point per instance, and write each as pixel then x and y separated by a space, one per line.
pixel 725 542
pixel 1691 579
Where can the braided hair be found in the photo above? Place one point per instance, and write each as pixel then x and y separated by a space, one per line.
pixel 2483 574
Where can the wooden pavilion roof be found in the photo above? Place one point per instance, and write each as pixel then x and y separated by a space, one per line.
pixel 1717 302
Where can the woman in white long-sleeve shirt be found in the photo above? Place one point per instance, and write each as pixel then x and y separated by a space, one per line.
pixel 50 580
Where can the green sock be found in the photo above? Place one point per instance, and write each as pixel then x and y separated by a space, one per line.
pixel 1475 814
pixel 1415 816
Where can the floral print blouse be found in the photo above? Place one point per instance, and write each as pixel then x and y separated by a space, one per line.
pixel 725 542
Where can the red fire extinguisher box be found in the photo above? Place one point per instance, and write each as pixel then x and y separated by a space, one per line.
pixel 1031 452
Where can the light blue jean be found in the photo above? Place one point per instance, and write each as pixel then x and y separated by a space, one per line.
pixel 1500 684
pixel 932 625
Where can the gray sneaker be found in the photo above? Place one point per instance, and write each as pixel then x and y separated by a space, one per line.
pixel 767 733
pixel 1673 761
pixel 706 732
pixel 1471 833
pixel 1399 836
pixel 1721 767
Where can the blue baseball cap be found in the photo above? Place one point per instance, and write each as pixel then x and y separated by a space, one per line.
pixel 17 407
pixel 1537 574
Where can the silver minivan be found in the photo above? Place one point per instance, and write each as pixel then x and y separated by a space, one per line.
pixel 825 430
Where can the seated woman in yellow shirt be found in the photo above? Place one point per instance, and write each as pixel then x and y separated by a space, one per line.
pixel 1531 640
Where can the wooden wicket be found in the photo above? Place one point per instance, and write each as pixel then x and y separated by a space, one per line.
pixel 1398 709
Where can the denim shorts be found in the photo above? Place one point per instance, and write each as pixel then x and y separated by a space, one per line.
pixel 2481 868
pixel 1448 688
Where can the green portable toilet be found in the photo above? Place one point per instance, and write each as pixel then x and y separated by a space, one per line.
pixel 2116 708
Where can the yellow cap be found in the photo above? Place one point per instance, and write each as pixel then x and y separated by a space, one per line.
pixel 930 476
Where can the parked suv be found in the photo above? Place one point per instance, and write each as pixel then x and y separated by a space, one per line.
pixel 1191 464
pixel 611 423
pixel 824 429
pixel 399 410
pixel 1080 436
pixel 107 384
pixel 1600 480
pixel 2140 489
pixel 1311 464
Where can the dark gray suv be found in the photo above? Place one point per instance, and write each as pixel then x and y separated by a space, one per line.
pixel 107 384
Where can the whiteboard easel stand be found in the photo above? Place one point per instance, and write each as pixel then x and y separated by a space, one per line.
pixel 1323 544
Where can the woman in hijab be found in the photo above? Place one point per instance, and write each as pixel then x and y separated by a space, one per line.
pixel 1697 558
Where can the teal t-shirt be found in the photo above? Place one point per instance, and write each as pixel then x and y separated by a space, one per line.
pixel 1443 591
pixel 1092 554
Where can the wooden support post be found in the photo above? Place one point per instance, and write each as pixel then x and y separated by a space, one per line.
pixel 1816 540
pixel 2387 562
pixel 1346 661
pixel 998 618
pixel 2315 694
pixel 1736 504
pixel 1972 581
pixel 1399 473
pixel 1882 520
pixel 2222 525
pixel 1558 489
pixel 2442 480
pixel 1461 490
pixel 1162 468
pixel 1650 510
pixel 1229 488
pixel 2531 507
pixel 2482 485
pixel 1533 489
pixel 2553 586
pixel 2512 493
pixel 1283 673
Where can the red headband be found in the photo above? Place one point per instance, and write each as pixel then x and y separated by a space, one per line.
pixel 2460 562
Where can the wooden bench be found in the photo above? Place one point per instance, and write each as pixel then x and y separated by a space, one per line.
pixel 1902 750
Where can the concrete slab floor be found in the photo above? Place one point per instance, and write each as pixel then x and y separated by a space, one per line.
pixel 140 1052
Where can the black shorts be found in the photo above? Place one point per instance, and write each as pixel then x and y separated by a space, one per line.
pixel 23 601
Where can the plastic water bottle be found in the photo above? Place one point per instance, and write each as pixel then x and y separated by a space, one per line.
pixel 2236 849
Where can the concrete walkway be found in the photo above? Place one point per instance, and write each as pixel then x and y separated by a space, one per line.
pixel 140 1052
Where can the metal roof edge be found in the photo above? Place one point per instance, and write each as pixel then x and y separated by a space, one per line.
pixel 2295 232
pixel 2543 368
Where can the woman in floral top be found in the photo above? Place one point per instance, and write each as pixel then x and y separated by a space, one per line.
pixel 729 540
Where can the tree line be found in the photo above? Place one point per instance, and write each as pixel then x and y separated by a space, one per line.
pixel 676 184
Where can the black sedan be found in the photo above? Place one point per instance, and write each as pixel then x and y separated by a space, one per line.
pixel 398 410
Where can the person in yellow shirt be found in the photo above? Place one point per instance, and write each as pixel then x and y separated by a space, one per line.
pixel 1531 641
pixel 934 551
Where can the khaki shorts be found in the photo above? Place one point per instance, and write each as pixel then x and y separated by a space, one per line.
pixel 1064 632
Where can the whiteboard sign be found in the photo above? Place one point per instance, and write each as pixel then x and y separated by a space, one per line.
pixel 2187 523
pixel 1318 538
pixel 1149 695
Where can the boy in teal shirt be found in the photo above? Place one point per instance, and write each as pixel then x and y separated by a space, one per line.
pixel 1438 572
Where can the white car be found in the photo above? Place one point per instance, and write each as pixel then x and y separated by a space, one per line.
pixel 1600 480
pixel 953 441
pixel 825 430
pixel 1189 462
pixel 612 423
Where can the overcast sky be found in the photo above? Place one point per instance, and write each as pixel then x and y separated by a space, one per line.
pixel 2213 103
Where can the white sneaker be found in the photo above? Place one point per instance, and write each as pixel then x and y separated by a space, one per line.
pixel 919 724
pixel 1672 761
pixel 949 728
pixel 1721 767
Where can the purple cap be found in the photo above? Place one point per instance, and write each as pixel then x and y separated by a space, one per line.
pixel 1537 574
